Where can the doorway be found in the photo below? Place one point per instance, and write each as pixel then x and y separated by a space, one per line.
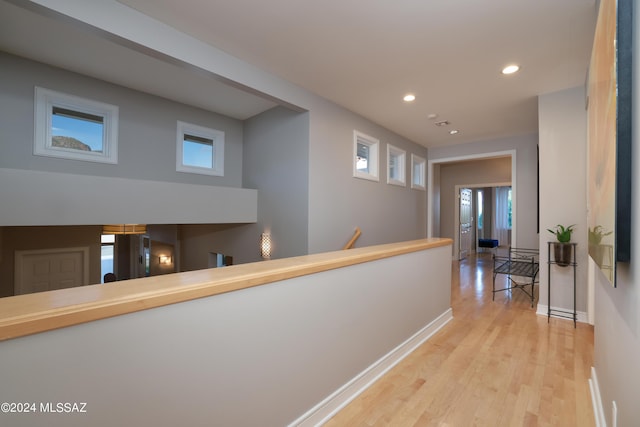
pixel 465 221
pixel 489 228
pixel 448 174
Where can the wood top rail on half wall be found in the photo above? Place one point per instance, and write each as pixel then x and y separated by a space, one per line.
pixel 29 314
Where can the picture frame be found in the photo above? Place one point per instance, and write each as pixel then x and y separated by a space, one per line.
pixel 609 137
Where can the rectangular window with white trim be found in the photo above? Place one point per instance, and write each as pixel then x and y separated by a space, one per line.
pixel 396 159
pixel 418 166
pixel 199 150
pixel 70 127
pixel 365 156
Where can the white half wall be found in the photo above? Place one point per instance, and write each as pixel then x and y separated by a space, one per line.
pixel 67 199
pixel 262 356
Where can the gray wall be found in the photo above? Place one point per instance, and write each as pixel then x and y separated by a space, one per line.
pixel 147 127
pixel 261 356
pixel 197 241
pixel 526 187
pixel 617 311
pixel 471 173
pixel 338 202
pixel 563 191
pixel 276 163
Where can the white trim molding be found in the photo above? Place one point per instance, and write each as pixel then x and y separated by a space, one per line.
pixel 331 405
pixel 596 399
pixel 581 316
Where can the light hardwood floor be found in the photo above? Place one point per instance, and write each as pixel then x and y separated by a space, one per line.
pixel 495 364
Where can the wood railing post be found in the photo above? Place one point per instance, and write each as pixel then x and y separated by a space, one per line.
pixel 356 234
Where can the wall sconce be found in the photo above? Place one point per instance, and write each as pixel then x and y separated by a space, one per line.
pixel 265 245
pixel 165 260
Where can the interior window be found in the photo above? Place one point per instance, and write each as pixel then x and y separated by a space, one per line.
pixel 74 130
pixel 396 167
pixel 418 166
pixel 199 150
pixel 71 127
pixel 365 161
pixel 362 159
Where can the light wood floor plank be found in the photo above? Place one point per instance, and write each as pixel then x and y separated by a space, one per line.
pixel 495 364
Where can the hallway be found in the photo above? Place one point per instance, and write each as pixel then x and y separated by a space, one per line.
pixel 495 364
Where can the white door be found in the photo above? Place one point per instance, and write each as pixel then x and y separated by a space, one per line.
pixel 466 223
pixel 50 269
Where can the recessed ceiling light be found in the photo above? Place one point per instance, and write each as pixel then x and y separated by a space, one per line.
pixel 432 116
pixel 510 69
pixel 453 132
pixel 443 123
pixel 409 97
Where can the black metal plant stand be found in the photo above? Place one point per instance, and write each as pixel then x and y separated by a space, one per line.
pixel 561 313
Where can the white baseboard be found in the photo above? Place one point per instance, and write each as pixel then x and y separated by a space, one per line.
pixel 596 399
pixel 542 311
pixel 326 409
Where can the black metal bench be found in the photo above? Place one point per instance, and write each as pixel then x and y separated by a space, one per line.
pixel 520 262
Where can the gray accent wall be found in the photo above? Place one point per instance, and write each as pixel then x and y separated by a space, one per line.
pixel 338 202
pixel 147 127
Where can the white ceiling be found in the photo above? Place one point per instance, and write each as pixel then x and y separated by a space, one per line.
pixel 364 55
pixel 51 41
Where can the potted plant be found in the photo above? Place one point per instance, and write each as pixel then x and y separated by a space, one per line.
pixel 562 248
pixel 596 249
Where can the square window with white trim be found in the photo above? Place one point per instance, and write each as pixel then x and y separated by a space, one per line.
pixel 70 127
pixel 199 150
pixel 365 156
pixel 396 161
pixel 418 166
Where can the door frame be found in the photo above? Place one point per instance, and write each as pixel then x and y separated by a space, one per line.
pixel 472 249
pixel 431 178
pixel 456 234
pixel 19 256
